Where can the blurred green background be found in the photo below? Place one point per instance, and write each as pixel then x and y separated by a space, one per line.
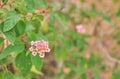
pixel 90 55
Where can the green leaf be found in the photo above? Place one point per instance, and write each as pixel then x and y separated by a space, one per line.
pixel 29 26
pixel 40 3
pixel 115 1
pixel 118 13
pixel 94 11
pixel 31 36
pixel 23 63
pixel 37 62
pixel 1 26
pixel 82 70
pixel 4 1
pixel 1 40
pixel 11 20
pixel 116 75
pixel 61 19
pixel 96 74
pixel 52 19
pixel 1 75
pixel 18 75
pixel 106 18
pixel 36 24
pixel 17 48
pixel 11 35
pixel 21 26
pixel 30 5
pixel 3 61
pixel 8 75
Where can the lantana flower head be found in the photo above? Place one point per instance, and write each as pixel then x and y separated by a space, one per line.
pixel 80 28
pixel 39 47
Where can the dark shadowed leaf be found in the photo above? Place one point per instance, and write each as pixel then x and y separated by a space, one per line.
pixel 21 26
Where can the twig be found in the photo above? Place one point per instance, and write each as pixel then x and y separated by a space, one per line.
pixel 2 5
pixel 104 50
pixel 101 47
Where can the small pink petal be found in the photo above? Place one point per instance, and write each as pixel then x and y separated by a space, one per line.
pixel 83 31
pixel 32 42
pixel 48 50
pixel 34 53
pixel 42 55
pixel 39 47
pixel 46 43
pixel 80 29
pixel 37 43
pixel 31 49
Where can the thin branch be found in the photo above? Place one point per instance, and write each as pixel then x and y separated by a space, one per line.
pixel 102 48
pixel 2 5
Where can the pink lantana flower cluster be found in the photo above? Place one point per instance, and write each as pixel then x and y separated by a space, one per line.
pixel 39 47
pixel 80 29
